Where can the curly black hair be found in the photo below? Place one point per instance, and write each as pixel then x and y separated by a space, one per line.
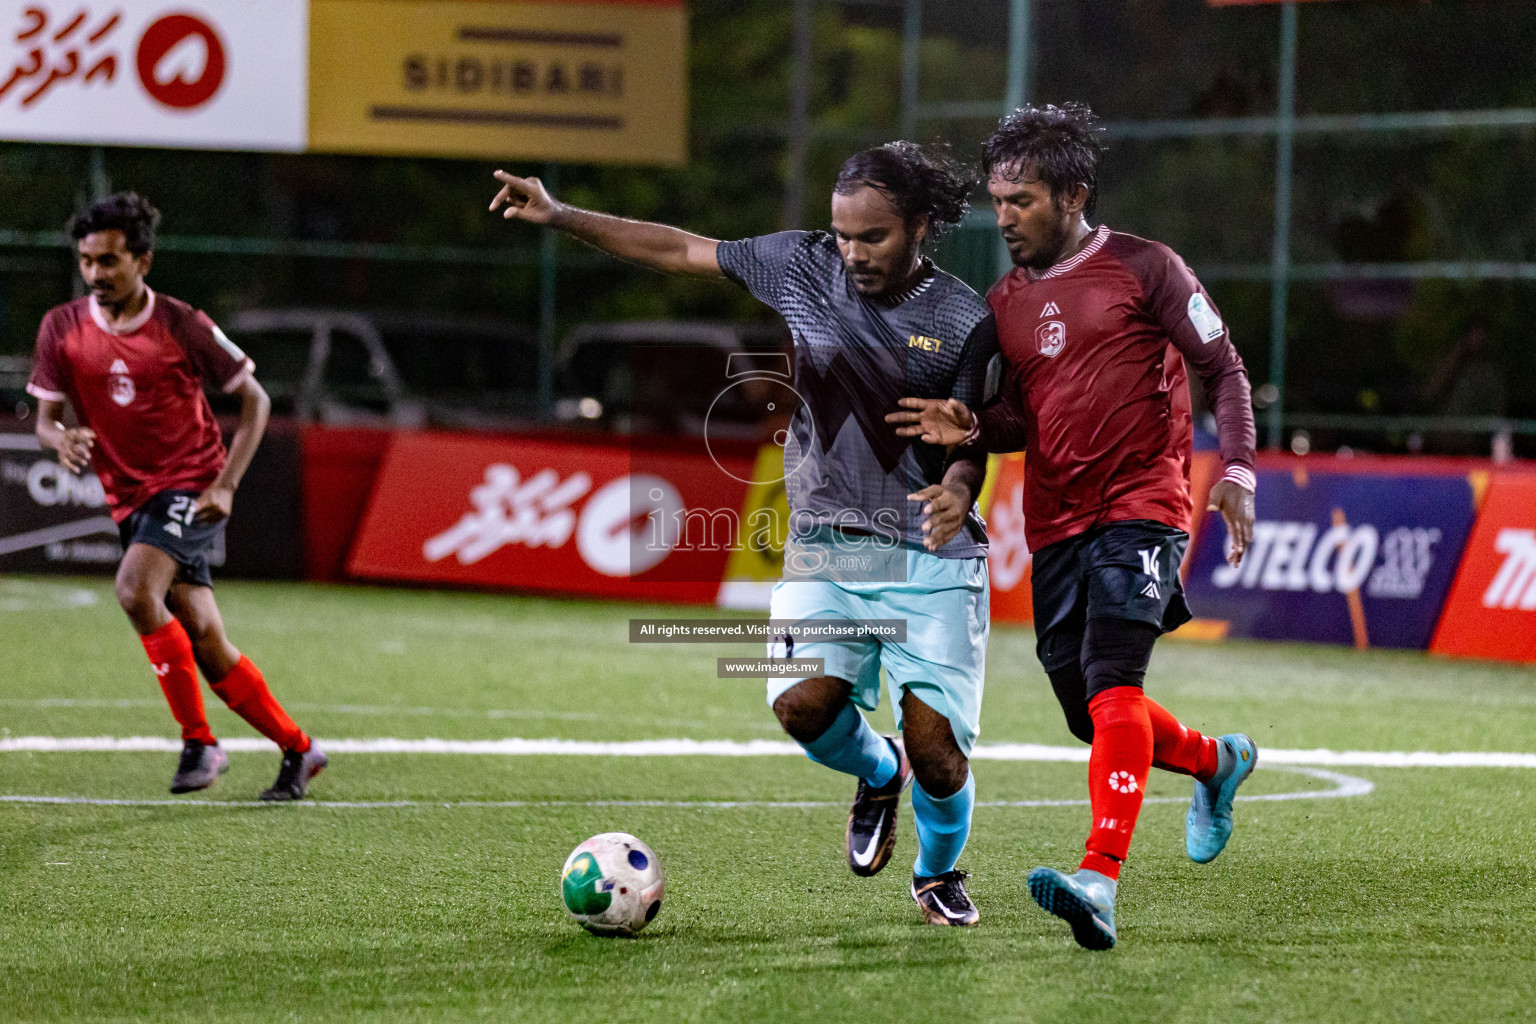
pixel 127 212
pixel 919 181
pixel 1058 145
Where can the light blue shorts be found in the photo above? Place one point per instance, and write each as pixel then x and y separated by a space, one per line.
pixel 943 659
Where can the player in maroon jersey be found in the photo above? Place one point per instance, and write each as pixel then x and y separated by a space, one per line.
pixel 1096 328
pixel 132 365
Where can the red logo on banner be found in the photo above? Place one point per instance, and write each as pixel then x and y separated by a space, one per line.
pixel 577 518
pixel 1491 612
pixel 181 61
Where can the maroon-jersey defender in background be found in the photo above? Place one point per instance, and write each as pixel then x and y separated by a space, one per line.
pixel 132 365
pixel 1096 328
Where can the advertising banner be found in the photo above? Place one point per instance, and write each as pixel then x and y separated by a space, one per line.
pixel 231 74
pixel 1359 558
pixel 1008 557
pixel 1491 612
pixel 595 519
pixel 574 80
pixel 557 80
pixel 54 521
pixel 50 519
pixel 758 561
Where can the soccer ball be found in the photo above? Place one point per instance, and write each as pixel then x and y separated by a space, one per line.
pixel 612 884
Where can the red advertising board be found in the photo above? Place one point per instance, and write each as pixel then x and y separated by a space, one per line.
pixel 577 518
pixel 1008 557
pixel 1491 611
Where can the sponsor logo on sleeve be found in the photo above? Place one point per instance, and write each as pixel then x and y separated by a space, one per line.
pixel 1207 324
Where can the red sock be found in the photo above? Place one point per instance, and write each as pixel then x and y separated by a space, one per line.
pixel 1177 748
pixel 170 655
pixel 246 693
pixel 1117 774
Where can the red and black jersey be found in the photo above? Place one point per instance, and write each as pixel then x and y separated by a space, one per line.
pixel 1096 349
pixel 140 388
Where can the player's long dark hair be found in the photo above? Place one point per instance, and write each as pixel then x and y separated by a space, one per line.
pixel 127 212
pixel 1059 145
pixel 921 181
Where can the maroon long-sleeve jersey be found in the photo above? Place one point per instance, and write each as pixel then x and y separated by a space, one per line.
pixel 1096 390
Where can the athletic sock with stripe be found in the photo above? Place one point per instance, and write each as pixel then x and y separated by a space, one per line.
pixel 1117 774
pixel 1178 748
pixel 852 747
pixel 170 655
pixel 246 693
pixel 943 826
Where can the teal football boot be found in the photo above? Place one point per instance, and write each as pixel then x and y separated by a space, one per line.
pixel 1085 900
pixel 1208 825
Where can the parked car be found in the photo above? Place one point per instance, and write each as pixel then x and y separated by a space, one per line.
pixel 396 368
pixel 663 377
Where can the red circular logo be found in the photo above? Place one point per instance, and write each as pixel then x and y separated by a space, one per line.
pixel 181 61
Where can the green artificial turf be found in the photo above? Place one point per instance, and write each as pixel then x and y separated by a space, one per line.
pixel 1414 902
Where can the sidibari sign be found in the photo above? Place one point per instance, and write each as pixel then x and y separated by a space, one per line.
pixel 557 80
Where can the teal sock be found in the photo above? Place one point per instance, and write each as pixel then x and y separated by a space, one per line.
pixel 943 826
pixel 850 746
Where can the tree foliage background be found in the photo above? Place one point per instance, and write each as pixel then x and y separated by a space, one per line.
pixel 1363 197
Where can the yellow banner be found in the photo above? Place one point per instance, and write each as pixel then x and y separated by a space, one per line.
pixel 583 82
pixel 759 554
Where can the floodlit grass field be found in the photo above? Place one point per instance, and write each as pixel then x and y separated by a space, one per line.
pixel 1416 901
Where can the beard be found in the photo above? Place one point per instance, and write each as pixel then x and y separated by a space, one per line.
pixel 1048 252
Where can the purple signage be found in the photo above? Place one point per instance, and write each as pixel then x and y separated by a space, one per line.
pixel 1338 558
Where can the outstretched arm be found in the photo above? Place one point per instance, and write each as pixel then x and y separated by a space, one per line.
pixel 657 246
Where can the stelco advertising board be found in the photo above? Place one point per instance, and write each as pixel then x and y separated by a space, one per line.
pixel 1352 558
pixel 555 80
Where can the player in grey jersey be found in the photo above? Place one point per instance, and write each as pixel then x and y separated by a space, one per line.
pixel 873 321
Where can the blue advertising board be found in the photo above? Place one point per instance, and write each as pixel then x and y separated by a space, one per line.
pixel 1351 558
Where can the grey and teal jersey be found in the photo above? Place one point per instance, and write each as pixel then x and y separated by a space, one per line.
pixel 854 358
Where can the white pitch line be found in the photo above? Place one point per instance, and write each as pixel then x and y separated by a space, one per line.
pixel 375 710
pixel 513 747
pixel 1344 786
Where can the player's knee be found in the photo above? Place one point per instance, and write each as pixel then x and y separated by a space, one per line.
pixel 941 769
pixel 806 712
pixel 1080 722
pixel 1116 652
pixel 138 600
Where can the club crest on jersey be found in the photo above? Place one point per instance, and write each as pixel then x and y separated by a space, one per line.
pixel 120 384
pixel 1051 337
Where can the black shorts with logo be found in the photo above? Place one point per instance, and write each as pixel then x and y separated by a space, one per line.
pixel 167 522
pixel 1126 570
